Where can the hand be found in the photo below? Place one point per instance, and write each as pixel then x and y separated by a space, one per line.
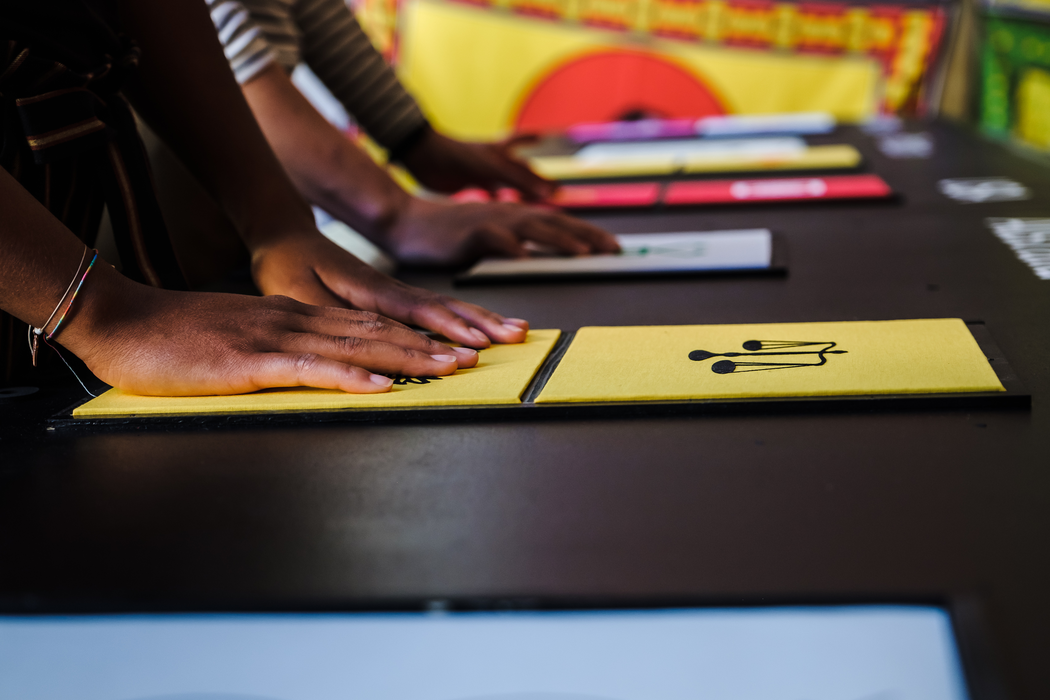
pixel 445 165
pixel 149 341
pixel 437 233
pixel 308 267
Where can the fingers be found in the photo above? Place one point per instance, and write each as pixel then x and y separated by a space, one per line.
pixel 498 240
pixel 468 324
pixel 372 291
pixel 310 369
pixel 363 288
pixel 464 323
pixel 352 363
pixel 340 334
pixel 441 319
pixel 375 355
pixel 561 240
pixel 518 175
pixel 379 344
pixel 598 239
pixel 499 328
pixel 565 234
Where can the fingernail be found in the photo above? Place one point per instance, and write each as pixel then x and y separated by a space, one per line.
pixel 444 358
pixel 467 352
pixel 481 337
pixel 381 380
pixel 520 322
pixel 512 327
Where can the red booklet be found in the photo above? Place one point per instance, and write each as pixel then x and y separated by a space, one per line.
pixel 777 189
pixel 648 194
pixel 631 194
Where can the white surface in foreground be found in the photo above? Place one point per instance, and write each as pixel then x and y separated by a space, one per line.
pixel 830 653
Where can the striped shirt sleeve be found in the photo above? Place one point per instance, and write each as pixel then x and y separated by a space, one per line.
pixel 325 35
pixel 246 49
pixel 340 53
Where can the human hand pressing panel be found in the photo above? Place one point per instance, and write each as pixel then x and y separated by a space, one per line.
pixel 160 342
pixel 440 233
pixel 445 165
pixel 336 175
pixel 308 267
pixel 155 342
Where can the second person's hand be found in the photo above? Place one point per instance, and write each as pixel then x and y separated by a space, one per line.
pixel 308 267
pixel 439 233
pixel 446 165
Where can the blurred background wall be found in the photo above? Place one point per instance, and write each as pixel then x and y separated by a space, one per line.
pixel 485 68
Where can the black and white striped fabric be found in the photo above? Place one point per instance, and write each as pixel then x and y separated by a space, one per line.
pixel 325 35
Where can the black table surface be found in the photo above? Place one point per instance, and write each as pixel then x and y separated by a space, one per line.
pixel 857 505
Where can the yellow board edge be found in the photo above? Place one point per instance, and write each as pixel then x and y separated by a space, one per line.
pixel 502 375
pixel 656 363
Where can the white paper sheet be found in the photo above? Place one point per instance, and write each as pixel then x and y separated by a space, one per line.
pixel 681 149
pixel 650 252
pixel 754 124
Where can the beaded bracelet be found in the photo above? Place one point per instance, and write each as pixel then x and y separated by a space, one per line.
pixel 36 333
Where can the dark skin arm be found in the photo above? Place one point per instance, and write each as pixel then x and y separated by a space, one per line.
pixel 447 165
pixel 332 172
pixel 151 341
pixel 191 99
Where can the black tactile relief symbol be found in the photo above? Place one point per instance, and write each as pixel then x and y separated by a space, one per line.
pixel 781 354
pixel 403 381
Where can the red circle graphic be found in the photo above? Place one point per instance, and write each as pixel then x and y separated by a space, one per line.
pixel 613 85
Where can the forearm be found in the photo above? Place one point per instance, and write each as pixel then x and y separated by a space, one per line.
pixel 327 167
pixel 40 257
pixel 185 90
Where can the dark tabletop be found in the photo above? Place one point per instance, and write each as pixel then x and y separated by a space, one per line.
pixel 857 505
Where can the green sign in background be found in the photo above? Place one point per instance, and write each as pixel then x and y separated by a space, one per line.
pixel 1015 68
